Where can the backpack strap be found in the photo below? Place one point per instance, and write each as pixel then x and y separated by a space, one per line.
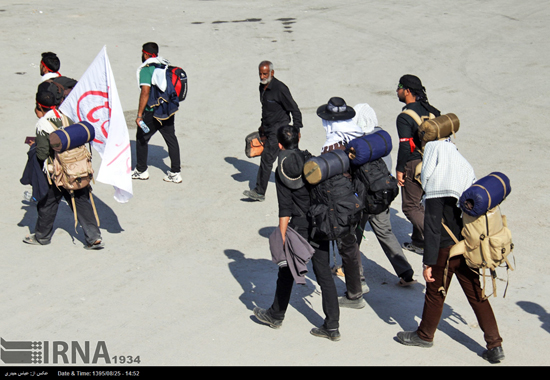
pixel 418 120
pixel 445 273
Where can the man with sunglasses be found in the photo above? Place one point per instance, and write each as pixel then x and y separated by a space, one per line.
pixel 411 92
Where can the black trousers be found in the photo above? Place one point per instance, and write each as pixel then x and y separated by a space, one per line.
pixel 47 211
pixel 321 268
pixel 168 131
pixel 268 157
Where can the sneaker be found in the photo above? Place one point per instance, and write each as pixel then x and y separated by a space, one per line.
pixel 411 338
pixel 252 194
pixel 358 303
pixel 364 287
pixel 494 355
pixel 172 177
pixel 97 245
pixel 322 332
pixel 404 283
pixel 263 316
pixel 140 175
pixel 413 248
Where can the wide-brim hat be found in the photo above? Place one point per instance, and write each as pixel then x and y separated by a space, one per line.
pixel 335 109
pixel 290 168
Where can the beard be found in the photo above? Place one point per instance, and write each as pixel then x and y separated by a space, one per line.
pixel 267 80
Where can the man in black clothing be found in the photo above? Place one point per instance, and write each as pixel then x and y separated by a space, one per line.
pixel 277 108
pixel 411 92
pixel 294 201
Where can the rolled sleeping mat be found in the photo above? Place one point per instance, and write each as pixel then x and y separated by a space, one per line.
pixel 325 166
pixel 485 194
pixel 369 147
pixel 72 136
pixel 438 128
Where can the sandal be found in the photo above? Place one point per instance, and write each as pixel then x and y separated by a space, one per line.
pixel 97 245
pixel 31 239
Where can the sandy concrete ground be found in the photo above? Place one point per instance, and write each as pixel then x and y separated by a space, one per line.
pixel 185 264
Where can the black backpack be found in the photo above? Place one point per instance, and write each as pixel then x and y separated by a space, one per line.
pixel 335 209
pixel 375 185
pixel 59 86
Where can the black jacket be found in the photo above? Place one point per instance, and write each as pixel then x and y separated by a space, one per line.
pixel 435 235
pixel 277 106
pixel 407 128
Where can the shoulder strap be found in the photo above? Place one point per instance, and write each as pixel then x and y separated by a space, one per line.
pixel 414 115
pixel 442 288
pixel 417 118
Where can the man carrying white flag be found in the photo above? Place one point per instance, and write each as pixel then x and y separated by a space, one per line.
pixel 95 100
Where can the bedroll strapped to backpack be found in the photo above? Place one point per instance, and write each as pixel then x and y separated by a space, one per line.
pixel 375 185
pixel 336 209
pixel 430 128
pixel 72 170
pixel 486 246
pixel 438 128
pixel 325 166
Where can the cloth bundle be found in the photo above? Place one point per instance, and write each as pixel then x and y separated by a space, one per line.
pixel 485 194
pixel 369 147
pixel 325 166
pixel 72 136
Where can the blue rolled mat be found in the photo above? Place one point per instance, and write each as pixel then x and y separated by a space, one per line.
pixel 370 147
pixel 485 194
pixel 72 136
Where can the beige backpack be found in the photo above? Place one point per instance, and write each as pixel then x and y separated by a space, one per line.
pixel 486 246
pixel 72 170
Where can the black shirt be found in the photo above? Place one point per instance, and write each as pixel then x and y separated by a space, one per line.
pixel 277 106
pixel 435 235
pixel 407 128
pixel 293 203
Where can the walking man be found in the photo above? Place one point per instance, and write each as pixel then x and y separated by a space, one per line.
pixel 411 92
pixel 166 127
pixel 293 196
pixel 446 173
pixel 277 108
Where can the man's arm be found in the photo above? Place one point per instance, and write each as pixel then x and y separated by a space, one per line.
pixel 288 103
pixel 143 99
pixel 283 225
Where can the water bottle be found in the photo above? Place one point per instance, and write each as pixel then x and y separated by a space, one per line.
pixel 144 126
pixel 27 195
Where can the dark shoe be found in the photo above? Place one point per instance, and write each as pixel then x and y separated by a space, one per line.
pixel 31 239
pixel 413 248
pixel 264 317
pixel 358 303
pixel 97 245
pixel 322 332
pixel 411 338
pixel 252 194
pixel 494 355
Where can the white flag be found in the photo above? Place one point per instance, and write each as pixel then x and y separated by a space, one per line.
pixel 95 100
